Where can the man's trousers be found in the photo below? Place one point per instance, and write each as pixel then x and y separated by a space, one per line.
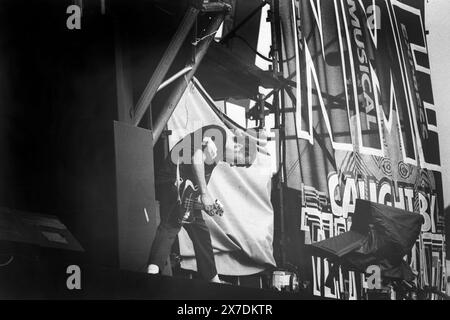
pixel 171 215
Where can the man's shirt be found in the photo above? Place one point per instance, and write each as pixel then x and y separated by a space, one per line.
pixel 178 166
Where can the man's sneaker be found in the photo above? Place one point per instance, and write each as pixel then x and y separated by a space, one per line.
pixel 153 269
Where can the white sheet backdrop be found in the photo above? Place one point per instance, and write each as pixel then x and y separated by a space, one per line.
pixel 247 224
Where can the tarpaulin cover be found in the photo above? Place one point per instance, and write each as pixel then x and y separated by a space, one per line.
pixel 242 237
pixel 398 227
pixel 380 235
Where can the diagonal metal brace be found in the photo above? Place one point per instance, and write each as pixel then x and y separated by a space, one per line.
pixel 172 50
pixel 182 83
pixel 165 63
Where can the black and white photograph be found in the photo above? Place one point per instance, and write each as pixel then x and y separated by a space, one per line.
pixel 240 152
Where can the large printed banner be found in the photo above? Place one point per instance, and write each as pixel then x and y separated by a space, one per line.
pixel 363 125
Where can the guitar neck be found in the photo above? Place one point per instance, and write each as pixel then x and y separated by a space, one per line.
pixel 198 205
pixel 193 204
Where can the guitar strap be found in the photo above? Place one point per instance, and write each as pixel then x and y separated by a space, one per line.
pixel 178 181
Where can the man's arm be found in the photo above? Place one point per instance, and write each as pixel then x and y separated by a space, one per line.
pixel 198 165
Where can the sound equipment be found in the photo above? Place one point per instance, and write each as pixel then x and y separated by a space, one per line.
pixel 35 229
pixel 110 192
pixel 283 280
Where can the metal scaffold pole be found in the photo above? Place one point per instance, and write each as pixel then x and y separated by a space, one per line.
pixel 182 83
pixel 277 65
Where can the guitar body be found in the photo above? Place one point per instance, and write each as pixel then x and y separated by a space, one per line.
pixel 190 200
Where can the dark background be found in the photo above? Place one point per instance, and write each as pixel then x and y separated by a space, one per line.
pixel 58 88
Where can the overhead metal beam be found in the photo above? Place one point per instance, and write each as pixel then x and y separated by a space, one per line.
pixel 165 63
pixel 161 70
pixel 215 7
pixel 182 83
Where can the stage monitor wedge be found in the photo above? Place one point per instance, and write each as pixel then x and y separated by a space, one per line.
pixel 36 229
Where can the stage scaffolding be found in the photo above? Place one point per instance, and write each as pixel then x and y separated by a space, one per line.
pixel 282 54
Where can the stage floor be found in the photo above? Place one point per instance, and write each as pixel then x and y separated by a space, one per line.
pixel 32 280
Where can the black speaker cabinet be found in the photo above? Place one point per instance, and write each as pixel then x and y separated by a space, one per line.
pixel 107 178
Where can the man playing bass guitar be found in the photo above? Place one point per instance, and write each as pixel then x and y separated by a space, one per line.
pixel 182 189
